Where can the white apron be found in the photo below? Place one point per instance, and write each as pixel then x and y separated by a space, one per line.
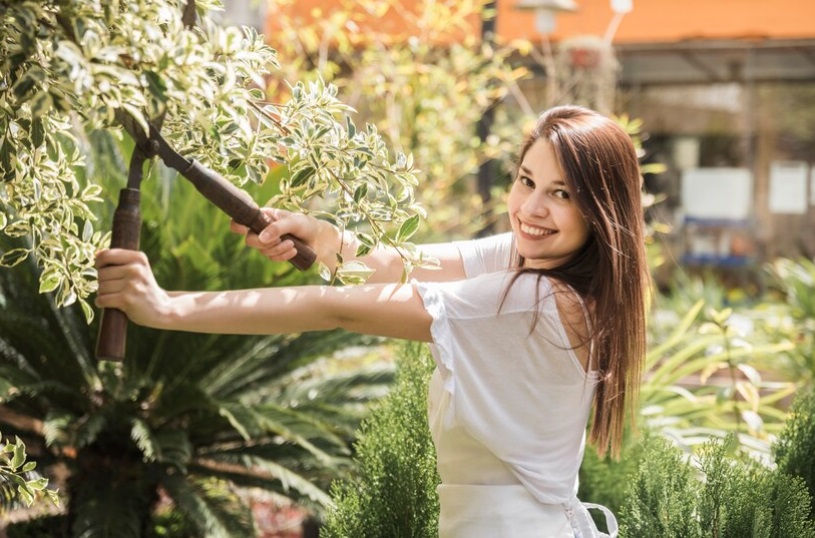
pixel 480 497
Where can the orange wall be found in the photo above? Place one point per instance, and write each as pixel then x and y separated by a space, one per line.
pixel 651 21
pixel 674 20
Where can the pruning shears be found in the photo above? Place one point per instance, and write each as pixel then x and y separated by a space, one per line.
pixel 127 217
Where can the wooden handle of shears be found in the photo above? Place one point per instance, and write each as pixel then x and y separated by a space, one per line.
pixel 112 339
pixel 240 206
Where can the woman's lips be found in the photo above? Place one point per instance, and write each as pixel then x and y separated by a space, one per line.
pixel 535 231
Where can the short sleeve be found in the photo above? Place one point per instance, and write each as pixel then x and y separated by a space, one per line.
pixel 487 254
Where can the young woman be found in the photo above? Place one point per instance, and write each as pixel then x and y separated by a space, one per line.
pixel 530 329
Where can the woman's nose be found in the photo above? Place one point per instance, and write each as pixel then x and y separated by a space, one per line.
pixel 536 205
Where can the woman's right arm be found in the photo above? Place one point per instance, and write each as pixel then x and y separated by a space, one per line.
pixel 328 241
pixel 127 283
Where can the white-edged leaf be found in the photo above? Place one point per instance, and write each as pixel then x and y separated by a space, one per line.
pixel 14 257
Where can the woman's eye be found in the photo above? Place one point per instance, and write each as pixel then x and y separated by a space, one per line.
pixel 560 193
pixel 526 182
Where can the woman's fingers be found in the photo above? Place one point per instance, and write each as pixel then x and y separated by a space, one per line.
pixel 269 242
pixel 119 256
pixel 126 282
pixel 282 251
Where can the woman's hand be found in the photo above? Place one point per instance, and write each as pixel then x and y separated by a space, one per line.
pixel 126 282
pixel 269 242
pixel 328 242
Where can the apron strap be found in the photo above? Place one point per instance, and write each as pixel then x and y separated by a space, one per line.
pixel 583 525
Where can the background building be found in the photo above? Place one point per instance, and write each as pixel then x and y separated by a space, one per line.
pixel 724 88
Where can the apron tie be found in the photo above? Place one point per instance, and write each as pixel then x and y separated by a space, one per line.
pixel 583 525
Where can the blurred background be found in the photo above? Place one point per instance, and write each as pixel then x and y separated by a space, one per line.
pixel 723 91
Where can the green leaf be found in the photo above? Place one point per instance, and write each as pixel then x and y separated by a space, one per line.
pixel 14 257
pixel 302 176
pixel 408 228
pixel 363 250
pixel 354 272
pixel 38 484
pixel 37 131
pixel 19 455
pixel 26 495
pixel 40 105
pixel 156 85
pixel 360 193
pixel 138 117
pixel 87 309
pixel 19 228
pixel 50 282
pixel 324 272
pixel 350 127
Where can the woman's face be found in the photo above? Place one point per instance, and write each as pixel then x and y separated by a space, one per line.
pixel 548 228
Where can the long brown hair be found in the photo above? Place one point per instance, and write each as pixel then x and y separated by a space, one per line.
pixel 610 272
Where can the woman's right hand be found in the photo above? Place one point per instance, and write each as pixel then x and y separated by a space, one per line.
pixel 269 242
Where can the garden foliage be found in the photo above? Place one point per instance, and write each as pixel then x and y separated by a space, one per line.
pixel 795 450
pixel 186 418
pixel 713 494
pixel 426 88
pixel 392 491
pixel 19 483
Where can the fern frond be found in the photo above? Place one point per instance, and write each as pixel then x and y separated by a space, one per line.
pixel 143 437
pixel 269 475
pixel 209 507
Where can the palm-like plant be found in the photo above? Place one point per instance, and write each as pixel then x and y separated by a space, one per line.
pixel 702 381
pixel 185 416
pixel 796 318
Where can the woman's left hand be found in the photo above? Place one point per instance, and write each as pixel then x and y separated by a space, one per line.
pixel 126 282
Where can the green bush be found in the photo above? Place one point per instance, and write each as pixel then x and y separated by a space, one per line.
pixel 393 490
pixel 795 450
pixel 661 498
pixel 605 481
pixel 718 494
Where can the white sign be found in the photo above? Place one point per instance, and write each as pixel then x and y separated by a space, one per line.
pixel 788 187
pixel 812 185
pixel 717 193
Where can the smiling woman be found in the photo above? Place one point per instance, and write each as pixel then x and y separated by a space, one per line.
pixel 530 330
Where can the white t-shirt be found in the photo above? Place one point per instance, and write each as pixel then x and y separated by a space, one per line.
pixel 510 400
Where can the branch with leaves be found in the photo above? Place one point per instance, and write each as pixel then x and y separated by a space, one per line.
pixel 18 483
pixel 75 64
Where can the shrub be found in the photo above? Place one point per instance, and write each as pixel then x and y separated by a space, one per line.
pixel 393 490
pixel 718 494
pixel 795 450
pixel 605 481
pixel 660 501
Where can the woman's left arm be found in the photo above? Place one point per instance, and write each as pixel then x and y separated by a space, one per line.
pixel 126 282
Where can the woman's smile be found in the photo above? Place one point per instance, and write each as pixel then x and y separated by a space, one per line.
pixel 534 231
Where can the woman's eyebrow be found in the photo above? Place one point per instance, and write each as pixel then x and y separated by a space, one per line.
pixel 526 171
